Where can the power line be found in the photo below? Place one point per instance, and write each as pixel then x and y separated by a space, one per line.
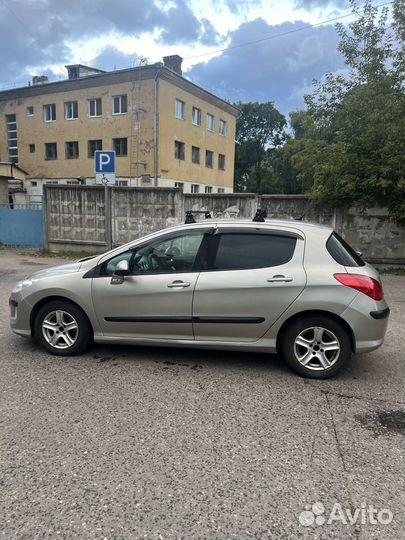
pixel 306 27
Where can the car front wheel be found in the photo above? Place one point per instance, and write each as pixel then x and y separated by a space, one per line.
pixel 62 328
pixel 315 346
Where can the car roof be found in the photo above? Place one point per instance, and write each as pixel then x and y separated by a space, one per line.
pixel 296 223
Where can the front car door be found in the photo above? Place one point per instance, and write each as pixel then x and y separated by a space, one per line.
pixel 254 275
pixel 155 300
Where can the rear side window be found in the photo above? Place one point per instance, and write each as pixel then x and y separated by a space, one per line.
pixel 239 251
pixel 343 254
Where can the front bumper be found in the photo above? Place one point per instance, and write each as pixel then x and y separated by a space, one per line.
pixel 19 315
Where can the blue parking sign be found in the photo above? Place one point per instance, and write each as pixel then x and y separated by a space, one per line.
pixel 105 162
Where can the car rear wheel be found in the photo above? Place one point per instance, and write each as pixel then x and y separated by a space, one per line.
pixel 62 328
pixel 315 346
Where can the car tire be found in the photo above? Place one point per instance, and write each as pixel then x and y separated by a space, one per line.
pixel 317 347
pixel 62 328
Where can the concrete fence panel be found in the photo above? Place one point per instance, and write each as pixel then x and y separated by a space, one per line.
pixel 75 217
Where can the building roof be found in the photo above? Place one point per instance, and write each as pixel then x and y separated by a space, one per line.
pixel 10 170
pixel 116 77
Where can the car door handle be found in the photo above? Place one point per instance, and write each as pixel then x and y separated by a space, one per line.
pixel 279 279
pixel 178 285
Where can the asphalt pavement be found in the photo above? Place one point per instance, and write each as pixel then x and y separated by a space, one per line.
pixel 131 442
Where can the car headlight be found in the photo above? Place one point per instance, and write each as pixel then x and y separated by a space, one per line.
pixel 22 285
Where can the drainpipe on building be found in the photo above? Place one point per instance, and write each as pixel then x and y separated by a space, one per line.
pixel 156 125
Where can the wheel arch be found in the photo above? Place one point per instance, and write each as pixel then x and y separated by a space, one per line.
pixel 47 300
pixel 315 312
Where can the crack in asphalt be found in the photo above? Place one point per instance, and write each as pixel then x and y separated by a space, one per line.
pixel 357 525
pixel 351 396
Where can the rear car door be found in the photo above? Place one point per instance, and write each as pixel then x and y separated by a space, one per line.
pixel 254 274
pixel 155 300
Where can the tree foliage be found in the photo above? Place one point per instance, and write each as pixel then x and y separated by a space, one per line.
pixel 259 127
pixel 349 147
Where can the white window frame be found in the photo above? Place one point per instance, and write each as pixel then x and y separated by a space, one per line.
pixel 224 162
pixel 70 110
pixel 30 107
pixel 223 127
pixel 195 188
pixel 95 100
pixel 196 121
pixel 180 109
pixel 209 122
pixel 208 189
pixel 50 107
pixel 119 100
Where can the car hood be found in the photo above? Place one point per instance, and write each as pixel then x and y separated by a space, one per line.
pixel 68 268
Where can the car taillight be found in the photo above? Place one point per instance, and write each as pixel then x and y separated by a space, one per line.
pixel 367 285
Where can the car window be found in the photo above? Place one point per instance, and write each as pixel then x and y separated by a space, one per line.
pixel 342 252
pixel 162 256
pixel 243 251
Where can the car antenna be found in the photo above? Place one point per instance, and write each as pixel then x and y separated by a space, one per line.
pixel 260 215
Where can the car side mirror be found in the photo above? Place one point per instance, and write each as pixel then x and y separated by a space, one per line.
pixel 121 270
pixel 359 253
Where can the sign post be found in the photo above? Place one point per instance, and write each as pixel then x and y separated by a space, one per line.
pixel 105 175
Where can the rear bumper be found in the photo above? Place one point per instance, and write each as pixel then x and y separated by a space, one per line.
pixel 368 324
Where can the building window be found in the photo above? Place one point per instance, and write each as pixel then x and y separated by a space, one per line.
pixel 196 116
pixel 180 109
pixel 34 183
pixel 93 146
pixel 210 122
pixel 30 111
pixel 51 151
pixel 195 188
pixel 120 104
pixel 208 189
pixel 221 190
pixel 195 154
pixel 209 158
pixel 71 110
pixel 122 183
pixel 179 150
pixel 52 182
pixel 179 185
pixel 72 150
pixel 12 138
pixel 50 113
pixel 31 148
pixel 221 162
pixel 72 182
pixel 95 107
pixel 223 127
pixel 121 147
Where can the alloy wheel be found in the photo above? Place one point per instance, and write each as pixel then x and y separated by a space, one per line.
pixel 60 329
pixel 316 348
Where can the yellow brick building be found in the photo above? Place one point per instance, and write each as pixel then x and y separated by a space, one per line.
pixel 165 130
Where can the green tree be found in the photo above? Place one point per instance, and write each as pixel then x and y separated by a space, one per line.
pixel 259 127
pixel 352 151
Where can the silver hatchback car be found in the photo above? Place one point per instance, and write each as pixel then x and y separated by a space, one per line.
pixel 275 286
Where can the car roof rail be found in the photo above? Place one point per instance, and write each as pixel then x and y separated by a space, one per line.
pixel 260 216
pixel 190 217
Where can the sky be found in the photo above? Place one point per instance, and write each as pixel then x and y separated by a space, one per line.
pixel 42 36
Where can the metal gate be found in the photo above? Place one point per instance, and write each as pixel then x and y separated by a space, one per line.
pixel 22 225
